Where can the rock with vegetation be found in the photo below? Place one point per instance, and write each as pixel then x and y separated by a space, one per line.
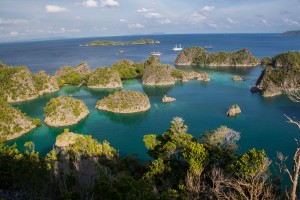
pixel 167 99
pixel 200 76
pixel 65 111
pixel 127 69
pixel 237 78
pixel 292 33
pixel 157 73
pixel 104 77
pixel 282 73
pixel 109 43
pixel 67 75
pixel 124 102
pixel 233 110
pixel 200 57
pixel 19 84
pixel 180 75
pixel 14 123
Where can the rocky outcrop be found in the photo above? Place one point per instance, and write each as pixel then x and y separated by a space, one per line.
pixel 128 69
pixel 14 123
pixel 67 75
pixel 167 99
pixel 200 57
pixel 282 73
pixel 82 68
pixel 233 110
pixel 19 84
pixel 200 76
pixel 104 78
pixel 157 73
pixel 67 139
pixel 65 111
pixel 237 78
pixel 124 102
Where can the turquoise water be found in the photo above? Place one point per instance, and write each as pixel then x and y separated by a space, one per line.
pixel 203 106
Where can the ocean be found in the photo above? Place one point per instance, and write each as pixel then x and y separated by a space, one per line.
pixel 203 106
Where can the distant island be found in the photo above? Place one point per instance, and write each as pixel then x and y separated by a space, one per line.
pixel 110 43
pixel 291 33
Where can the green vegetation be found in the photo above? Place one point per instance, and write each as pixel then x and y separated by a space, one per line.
pixel 13 122
pixel 67 75
pixel 124 102
pixel 19 84
pixel 108 42
pixel 104 77
pixel 283 72
pixel 182 167
pixel 64 110
pixel 128 69
pixel 198 56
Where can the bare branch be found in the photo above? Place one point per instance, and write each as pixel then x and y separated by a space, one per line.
pixel 292 121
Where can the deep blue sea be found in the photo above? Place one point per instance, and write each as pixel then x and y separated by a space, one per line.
pixel 202 105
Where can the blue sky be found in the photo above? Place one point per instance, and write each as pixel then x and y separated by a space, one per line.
pixel 30 19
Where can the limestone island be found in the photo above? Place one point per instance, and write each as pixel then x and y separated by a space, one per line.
pixel 110 43
pixel 103 78
pixel 124 102
pixel 19 84
pixel 291 33
pixel 128 69
pixel 65 111
pixel 197 56
pixel 14 123
pixel 282 72
pixel 233 110
pixel 167 99
pixel 68 75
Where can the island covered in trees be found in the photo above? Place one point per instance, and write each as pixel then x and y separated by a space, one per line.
pixel 110 43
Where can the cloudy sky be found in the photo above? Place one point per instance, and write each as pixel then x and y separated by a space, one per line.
pixel 33 19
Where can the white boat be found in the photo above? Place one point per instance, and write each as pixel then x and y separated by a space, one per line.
pixel 177 48
pixel 155 53
pixel 208 47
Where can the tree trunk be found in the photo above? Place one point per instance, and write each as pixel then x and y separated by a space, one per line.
pixel 296 174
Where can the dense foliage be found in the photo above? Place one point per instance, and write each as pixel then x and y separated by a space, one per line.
pixel 13 122
pixel 183 167
pixel 108 42
pixel 198 56
pixel 124 102
pixel 128 69
pixel 104 77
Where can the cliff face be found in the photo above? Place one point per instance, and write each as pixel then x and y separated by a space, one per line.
pixel 13 123
pixel 124 102
pixel 198 56
pixel 65 111
pixel 284 73
pixel 104 78
pixel 157 73
pixel 19 84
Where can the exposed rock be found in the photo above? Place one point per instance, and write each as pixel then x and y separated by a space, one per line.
pixel 124 102
pixel 65 111
pixel 104 78
pixel 167 99
pixel 283 74
pixel 83 68
pixel 67 75
pixel 200 57
pixel 157 73
pixel 237 78
pixel 66 139
pixel 180 75
pixel 19 84
pixel 14 123
pixel 233 110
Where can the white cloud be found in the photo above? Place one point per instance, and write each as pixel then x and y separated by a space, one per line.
pixel 153 15
pixel 109 3
pixel 231 21
pixel 13 21
pixel 13 33
pixel 90 3
pixel 265 22
pixel 290 22
pixel 55 9
pixel 212 24
pixel 208 8
pixel 198 17
pixel 123 20
pixel 135 26
pixel 165 21
pixel 64 30
pixel 144 10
